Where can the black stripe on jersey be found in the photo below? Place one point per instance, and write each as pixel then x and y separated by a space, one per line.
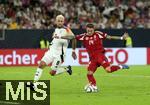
pixel 62 55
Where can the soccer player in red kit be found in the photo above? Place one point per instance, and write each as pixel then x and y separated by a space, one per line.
pixel 93 42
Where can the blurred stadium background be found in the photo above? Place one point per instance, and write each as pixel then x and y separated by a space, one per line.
pixel 26 28
pixel 40 14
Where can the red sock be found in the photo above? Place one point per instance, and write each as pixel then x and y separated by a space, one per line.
pixel 52 72
pixel 114 68
pixel 91 79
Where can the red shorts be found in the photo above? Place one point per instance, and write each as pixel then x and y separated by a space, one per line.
pixel 96 61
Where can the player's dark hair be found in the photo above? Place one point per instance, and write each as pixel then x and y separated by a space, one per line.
pixel 90 25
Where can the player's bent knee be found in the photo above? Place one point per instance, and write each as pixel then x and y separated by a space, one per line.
pixel 42 64
pixel 52 73
pixel 90 73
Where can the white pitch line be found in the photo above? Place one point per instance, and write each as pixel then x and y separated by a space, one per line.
pixel 8 102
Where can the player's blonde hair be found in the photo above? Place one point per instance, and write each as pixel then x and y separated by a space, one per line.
pixel 60 17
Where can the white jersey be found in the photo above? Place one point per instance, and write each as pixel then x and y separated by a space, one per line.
pixel 57 49
pixel 59 46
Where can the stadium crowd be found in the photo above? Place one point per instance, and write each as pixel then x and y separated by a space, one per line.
pixel 40 14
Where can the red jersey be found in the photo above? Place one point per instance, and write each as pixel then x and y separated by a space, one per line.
pixel 93 43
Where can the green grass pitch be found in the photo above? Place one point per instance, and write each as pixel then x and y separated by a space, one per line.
pixel 124 87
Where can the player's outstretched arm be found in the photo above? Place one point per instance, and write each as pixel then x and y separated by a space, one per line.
pixel 69 34
pixel 68 37
pixel 65 37
pixel 117 37
pixel 114 37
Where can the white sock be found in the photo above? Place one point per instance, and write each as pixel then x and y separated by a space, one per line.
pixel 35 85
pixel 120 66
pixel 60 71
pixel 38 74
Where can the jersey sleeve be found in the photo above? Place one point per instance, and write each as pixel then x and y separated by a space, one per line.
pixel 68 31
pixel 80 37
pixel 101 35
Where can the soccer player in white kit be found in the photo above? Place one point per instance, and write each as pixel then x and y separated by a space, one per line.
pixel 56 53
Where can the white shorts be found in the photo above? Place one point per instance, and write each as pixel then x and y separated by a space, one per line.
pixel 52 57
